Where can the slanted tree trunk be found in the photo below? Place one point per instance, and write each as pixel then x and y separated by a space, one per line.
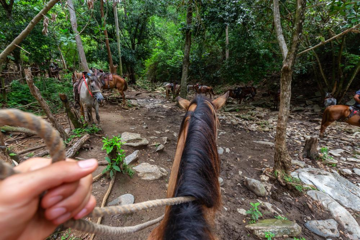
pixel 310 149
pixel 111 65
pixel 118 36
pixel 77 36
pixel 26 31
pixel 282 160
pixel 70 113
pixel 186 61
pixel 62 58
pixel 36 93
pixel 227 42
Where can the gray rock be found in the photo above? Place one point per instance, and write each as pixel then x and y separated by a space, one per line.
pixel 324 228
pixel 298 163
pixel 227 150
pixel 271 144
pixel 298 109
pixel 357 171
pixel 255 186
pixel 165 140
pixel 133 139
pixel 132 157
pixel 241 211
pixel 122 200
pixel 67 130
pixel 264 178
pixel 134 102
pixel 336 152
pixel 330 161
pixel 220 150
pixel 159 148
pixel 345 172
pixel 353 160
pixel 339 213
pixel 150 172
pixel 273 209
pixel 221 181
pixel 333 184
pixel 276 226
pixel 351 102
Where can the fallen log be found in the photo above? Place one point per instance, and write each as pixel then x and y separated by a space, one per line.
pixel 17 129
pixel 31 149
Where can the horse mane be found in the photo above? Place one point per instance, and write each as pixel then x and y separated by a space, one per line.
pixel 197 177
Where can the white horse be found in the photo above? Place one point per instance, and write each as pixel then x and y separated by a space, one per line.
pixel 90 96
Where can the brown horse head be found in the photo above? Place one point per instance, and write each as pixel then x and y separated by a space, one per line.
pixel 194 173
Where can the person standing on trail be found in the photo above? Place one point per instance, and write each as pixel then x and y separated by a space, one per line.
pixel 357 99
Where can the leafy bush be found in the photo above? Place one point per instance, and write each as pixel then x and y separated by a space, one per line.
pixel 117 163
pixel 254 212
pixel 78 132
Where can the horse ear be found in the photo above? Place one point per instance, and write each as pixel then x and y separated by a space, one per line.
pixel 183 103
pixel 220 101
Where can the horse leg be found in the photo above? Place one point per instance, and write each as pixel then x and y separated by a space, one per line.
pixel 167 94
pixel 91 120
pixel 123 97
pixel 96 107
pixel 323 128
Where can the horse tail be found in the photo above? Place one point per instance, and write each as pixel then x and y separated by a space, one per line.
pixel 125 85
pixel 325 117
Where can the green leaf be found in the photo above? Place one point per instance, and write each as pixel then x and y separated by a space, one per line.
pixel 108 159
pixel 111 174
pixel 12 154
pixel 117 168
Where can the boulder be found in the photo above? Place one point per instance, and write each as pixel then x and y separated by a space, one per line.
pixel 159 148
pixel 150 172
pixel 345 172
pixel 278 227
pixel 255 186
pixel 133 139
pixel 323 228
pixel 339 213
pixel 122 200
pixel 132 157
pixel 332 184
pixel 357 171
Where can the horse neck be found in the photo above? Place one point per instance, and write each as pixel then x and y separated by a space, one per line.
pixel 196 149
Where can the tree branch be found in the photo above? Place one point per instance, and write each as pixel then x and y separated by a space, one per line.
pixel 330 39
pixel 278 28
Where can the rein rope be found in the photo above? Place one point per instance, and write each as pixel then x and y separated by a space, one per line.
pixel 54 143
pixel 87 86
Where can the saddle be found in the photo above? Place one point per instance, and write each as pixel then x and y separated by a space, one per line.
pixel 106 78
pixel 353 111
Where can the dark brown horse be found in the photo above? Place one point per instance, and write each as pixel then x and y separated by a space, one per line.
pixel 194 173
pixel 109 81
pixel 172 88
pixel 338 112
pixel 240 93
pixel 203 89
pixel 275 95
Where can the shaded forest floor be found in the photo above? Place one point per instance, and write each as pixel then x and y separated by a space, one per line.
pixel 242 127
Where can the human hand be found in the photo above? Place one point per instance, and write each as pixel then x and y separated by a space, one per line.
pixel 68 185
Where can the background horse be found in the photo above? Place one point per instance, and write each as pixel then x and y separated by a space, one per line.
pixel 242 92
pixel 90 96
pixel 203 89
pixel 194 173
pixel 172 87
pixel 110 81
pixel 338 112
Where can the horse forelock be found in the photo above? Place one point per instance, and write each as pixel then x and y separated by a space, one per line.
pixel 197 175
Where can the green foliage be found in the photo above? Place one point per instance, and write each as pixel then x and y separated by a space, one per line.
pixel 325 154
pixel 254 211
pixel 116 164
pixel 302 238
pixel 269 235
pixel 78 132
pixel 12 154
pixel 67 236
pixel 281 217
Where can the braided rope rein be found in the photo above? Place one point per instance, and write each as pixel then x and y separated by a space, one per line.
pixel 51 137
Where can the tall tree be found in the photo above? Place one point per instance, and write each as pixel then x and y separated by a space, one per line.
pixel 77 36
pixel 111 65
pixel 118 35
pixel 282 160
pixel 8 7
pixel 187 47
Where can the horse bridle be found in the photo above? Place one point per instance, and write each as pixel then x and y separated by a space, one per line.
pixel 89 90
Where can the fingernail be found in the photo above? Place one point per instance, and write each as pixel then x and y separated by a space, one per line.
pixel 87 163
pixel 62 219
pixel 81 214
pixel 53 200
pixel 56 212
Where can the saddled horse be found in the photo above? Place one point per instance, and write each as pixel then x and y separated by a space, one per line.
pixel 194 173
pixel 275 94
pixel 241 93
pixel 90 96
pixel 339 112
pixel 203 89
pixel 109 81
pixel 172 88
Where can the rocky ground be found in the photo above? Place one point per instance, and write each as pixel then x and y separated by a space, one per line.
pixel 326 208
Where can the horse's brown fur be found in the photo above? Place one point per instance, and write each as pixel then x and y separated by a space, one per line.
pixel 337 112
pixel 178 172
pixel 117 82
pixel 204 89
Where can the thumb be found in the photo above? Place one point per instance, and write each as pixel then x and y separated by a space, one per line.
pixel 36 182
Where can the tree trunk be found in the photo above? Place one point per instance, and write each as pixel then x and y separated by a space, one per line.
pixel 70 113
pixel 227 42
pixel 111 65
pixel 310 149
pixel 36 93
pixel 186 61
pixel 118 36
pixel 282 160
pixel 62 58
pixel 3 87
pixel 27 30
pixel 77 36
